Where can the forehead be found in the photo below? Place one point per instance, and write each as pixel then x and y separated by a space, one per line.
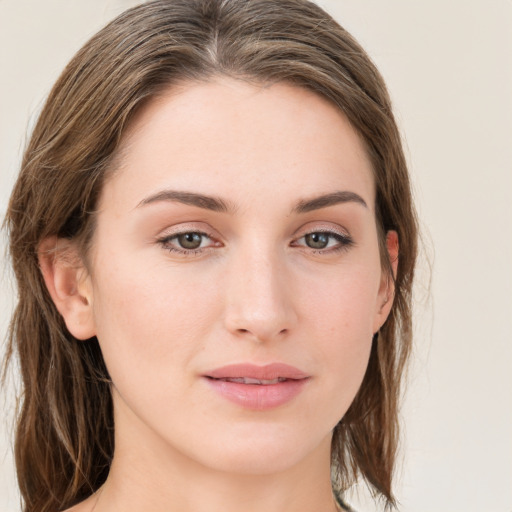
pixel 230 137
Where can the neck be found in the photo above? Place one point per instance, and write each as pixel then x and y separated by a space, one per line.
pixel 187 487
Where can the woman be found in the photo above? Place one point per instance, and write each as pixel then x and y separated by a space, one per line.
pixel 214 242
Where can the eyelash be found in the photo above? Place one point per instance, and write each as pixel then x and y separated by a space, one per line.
pixel 345 242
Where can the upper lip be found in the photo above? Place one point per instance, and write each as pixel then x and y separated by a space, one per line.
pixel 252 371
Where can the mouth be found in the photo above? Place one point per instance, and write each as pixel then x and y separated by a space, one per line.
pixel 248 380
pixel 254 374
pixel 257 387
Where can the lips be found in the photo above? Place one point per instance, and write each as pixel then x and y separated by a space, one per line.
pixel 268 372
pixel 257 387
pixel 248 380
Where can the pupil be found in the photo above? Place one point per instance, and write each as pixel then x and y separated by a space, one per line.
pixel 317 240
pixel 190 240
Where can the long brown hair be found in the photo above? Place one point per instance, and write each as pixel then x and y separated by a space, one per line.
pixel 64 438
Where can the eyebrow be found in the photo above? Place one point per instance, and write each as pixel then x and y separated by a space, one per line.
pixel 327 200
pixel 217 204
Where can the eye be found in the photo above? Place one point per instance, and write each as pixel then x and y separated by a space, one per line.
pixel 190 240
pixel 187 242
pixel 325 241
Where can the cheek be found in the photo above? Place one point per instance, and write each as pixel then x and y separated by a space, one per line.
pixel 341 321
pixel 151 322
pixel 344 302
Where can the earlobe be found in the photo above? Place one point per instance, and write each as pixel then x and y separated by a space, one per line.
pixel 68 284
pixel 387 286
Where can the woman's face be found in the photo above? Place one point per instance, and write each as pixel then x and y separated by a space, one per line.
pixel 239 229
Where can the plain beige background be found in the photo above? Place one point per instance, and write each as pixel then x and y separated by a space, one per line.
pixel 448 64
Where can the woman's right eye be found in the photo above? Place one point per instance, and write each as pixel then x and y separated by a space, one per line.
pixel 187 242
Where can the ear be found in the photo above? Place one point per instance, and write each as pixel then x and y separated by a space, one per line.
pixel 387 285
pixel 69 285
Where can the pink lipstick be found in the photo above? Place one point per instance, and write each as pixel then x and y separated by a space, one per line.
pixel 257 387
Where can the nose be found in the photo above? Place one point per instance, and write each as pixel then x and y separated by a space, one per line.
pixel 259 303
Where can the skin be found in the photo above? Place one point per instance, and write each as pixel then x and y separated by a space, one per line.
pixel 254 291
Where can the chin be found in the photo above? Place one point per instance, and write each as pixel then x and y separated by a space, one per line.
pixel 261 451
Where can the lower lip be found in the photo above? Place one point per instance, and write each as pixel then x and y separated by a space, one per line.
pixel 258 397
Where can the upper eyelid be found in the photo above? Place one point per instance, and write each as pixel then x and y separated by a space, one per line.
pixel 175 235
pixel 323 228
pixel 325 231
pixel 169 234
pixel 186 227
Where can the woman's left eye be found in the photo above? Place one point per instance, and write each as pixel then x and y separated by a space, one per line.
pixel 325 241
pixel 187 242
